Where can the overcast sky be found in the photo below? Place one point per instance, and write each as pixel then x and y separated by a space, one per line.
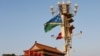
pixel 22 23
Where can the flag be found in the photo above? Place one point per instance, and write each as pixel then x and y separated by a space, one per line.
pixel 53 22
pixel 59 36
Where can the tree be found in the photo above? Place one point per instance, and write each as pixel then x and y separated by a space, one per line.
pixel 9 54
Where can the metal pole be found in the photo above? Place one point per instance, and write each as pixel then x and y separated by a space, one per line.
pixel 66 16
pixel 64 11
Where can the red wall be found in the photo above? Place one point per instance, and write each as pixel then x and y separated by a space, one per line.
pixel 32 53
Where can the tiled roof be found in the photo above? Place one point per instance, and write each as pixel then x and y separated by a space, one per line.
pixel 45 47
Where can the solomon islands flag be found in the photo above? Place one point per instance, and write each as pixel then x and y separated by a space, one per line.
pixel 53 22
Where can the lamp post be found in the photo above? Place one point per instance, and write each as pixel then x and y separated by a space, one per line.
pixel 66 16
pixel 66 27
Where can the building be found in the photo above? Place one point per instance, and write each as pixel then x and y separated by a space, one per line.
pixel 42 50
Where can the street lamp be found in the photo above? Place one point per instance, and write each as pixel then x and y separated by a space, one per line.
pixel 66 27
pixel 75 9
pixel 52 10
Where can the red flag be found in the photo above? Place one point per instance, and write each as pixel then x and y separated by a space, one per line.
pixel 59 36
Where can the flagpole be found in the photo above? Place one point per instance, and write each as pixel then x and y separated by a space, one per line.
pixel 66 27
pixel 64 10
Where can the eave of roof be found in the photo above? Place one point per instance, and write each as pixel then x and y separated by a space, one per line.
pixel 45 47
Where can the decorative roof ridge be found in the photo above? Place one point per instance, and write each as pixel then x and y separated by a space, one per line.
pixel 46 47
pixel 38 44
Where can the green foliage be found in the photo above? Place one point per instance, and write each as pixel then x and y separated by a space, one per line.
pixel 8 55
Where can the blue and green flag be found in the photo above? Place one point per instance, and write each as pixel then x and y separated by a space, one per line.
pixel 53 22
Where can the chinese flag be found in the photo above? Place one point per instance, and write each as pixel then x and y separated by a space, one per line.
pixel 59 36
